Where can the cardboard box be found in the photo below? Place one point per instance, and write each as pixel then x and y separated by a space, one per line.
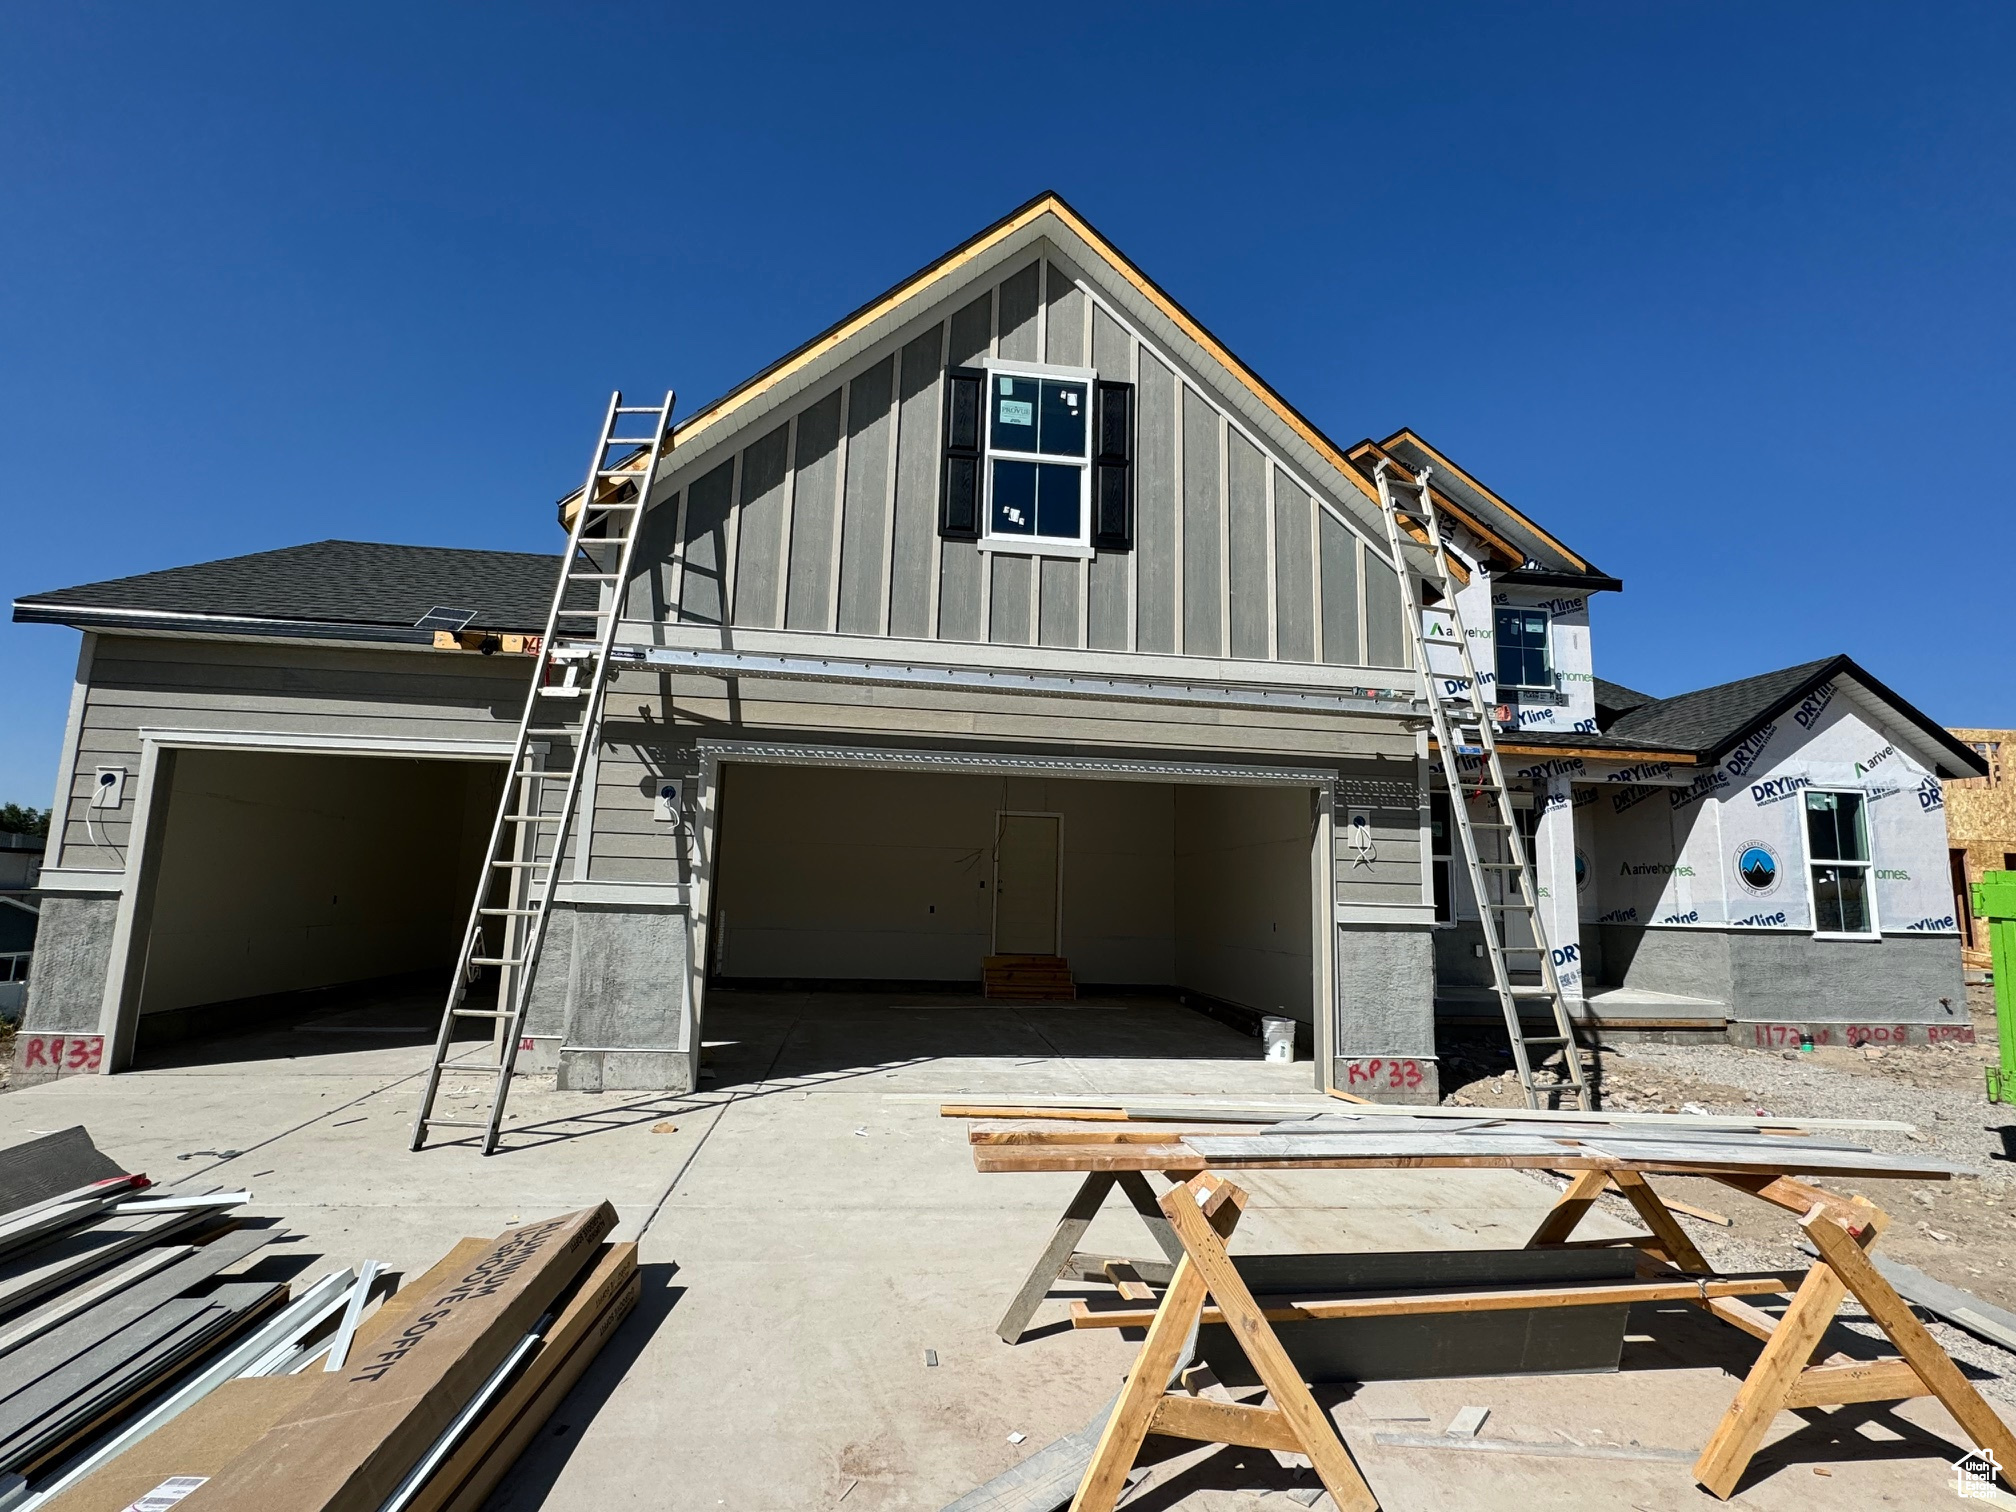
pixel 599 1303
pixel 227 1422
pixel 348 1444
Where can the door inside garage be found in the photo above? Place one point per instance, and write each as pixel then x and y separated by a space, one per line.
pixel 286 889
pixel 854 890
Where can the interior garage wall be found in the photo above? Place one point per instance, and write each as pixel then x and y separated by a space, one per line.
pixel 281 872
pixel 1242 897
pixel 842 873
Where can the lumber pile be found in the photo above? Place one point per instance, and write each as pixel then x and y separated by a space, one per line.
pixel 141 1364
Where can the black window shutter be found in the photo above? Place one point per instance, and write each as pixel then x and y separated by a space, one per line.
pixel 1113 469
pixel 959 487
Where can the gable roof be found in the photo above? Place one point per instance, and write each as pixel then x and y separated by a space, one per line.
pixel 1711 721
pixel 1051 203
pixel 1545 561
pixel 1047 216
pixel 350 590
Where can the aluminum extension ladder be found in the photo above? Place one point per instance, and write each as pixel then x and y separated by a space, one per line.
pixel 564 704
pixel 1502 881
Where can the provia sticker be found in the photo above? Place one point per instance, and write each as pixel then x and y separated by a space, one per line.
pixel 167 1494
pixel 1018 411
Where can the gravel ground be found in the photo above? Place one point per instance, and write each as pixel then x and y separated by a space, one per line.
pixel 1962 1232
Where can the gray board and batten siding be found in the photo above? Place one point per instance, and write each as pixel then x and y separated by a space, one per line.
pixel 820 514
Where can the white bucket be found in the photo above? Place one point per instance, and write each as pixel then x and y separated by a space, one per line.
pixel 1277 1035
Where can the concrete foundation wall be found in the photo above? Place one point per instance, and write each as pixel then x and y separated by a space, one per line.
pixel 1899 979
pixel 1242 897
pixel 66 990
pixel 1692 962
pixel 627 1024
pixel 1385 992
pixel 281 872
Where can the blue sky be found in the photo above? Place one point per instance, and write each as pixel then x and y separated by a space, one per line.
pixel 1719 293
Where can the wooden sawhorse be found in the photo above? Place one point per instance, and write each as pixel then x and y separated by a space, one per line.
pixel 1842 1231
pixel 1061 1256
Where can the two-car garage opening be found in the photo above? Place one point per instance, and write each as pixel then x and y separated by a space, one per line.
pixel 275 877
pixel 900 880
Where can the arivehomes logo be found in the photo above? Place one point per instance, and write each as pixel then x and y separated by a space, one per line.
pixel 1887 874
pixel 1698 789
pixel 1745 755
pixel 1758 921
pixel 1576 676
pixel 1645 771
pixel 1617 916
pixel 1777 789
pixel 1930 795
pixel 1631 797
pixel 1652 869
pixel 1875 761
pixel 1811 707
pixel 1932 924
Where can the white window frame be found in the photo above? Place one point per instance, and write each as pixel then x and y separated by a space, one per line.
pixel 1553 682
pixel 1033 545
pixel 1868 866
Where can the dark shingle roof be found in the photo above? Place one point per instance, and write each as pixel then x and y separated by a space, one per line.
pixel 1614 700
pixel 329 583
pixel 1711 721
pixel 1709 718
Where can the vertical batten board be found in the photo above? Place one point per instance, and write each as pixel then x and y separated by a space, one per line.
pixel 733 543
pixel 1085 567
pixel 1155 506
pixel 886 562
pixel 1246 553
pixel 1109 574
pixel 1021 310
pixel 934 562
pixel 813 525
pixel 914 479
pixel 1057 618
pixel 986 562
pixel 839 510
pixel 969 337
pixel 1008 617
pixel 1294 576
pixel 1385 635
pixel 759 538
pixel 864 531
pixel 1202 524
pixel 1339 556
pixel 1064 322
pixel 784 518
pixel 651 593
pixel 1267 566
pixel 704 532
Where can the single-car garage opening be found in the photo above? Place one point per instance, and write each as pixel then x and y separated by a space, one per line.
pixel 289 889
pixel 995 892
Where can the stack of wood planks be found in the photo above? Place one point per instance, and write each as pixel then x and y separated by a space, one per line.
pixel 141 1364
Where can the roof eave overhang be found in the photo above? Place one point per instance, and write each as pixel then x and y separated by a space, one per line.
pixel 213 626
pixel 1537 577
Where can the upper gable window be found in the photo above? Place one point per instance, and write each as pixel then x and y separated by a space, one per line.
pixel 1523 660
pixel 1039 459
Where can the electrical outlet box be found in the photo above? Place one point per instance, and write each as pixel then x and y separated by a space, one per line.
pixel 111 790
pixel 1358 821
pixel 665 805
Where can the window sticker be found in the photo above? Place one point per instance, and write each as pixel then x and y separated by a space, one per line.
pixel 1017 411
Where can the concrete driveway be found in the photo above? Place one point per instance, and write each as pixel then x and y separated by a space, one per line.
pixel 811 1228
